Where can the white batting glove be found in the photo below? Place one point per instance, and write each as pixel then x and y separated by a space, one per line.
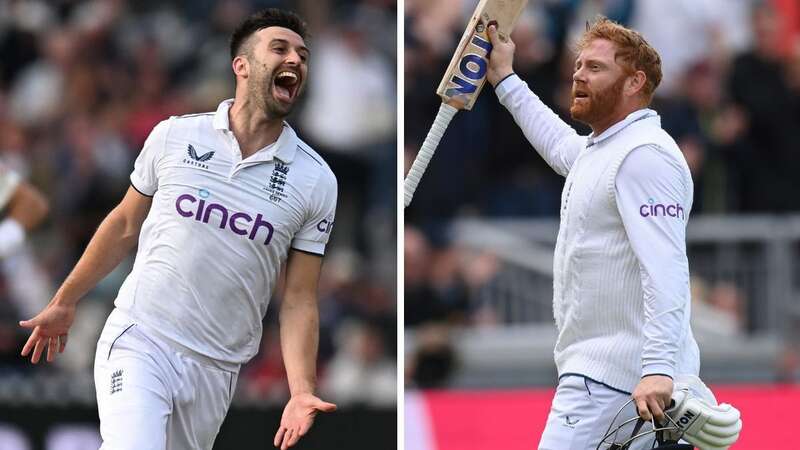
pixel 705 424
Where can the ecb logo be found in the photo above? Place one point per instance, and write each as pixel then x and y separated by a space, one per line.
pixel 472 67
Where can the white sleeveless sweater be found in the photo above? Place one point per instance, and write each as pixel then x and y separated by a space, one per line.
pixel 598 301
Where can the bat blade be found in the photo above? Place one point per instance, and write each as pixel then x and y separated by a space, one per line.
pixel 466 74
pixel 464 78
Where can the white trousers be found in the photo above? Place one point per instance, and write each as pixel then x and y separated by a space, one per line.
pixel 152 397
pixel 581 413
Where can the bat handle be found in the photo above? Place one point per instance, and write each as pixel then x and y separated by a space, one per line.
pixel 443 118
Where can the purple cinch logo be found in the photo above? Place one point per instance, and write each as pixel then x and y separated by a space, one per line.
pixel 240 223
pixel 657 209
pixel 324 226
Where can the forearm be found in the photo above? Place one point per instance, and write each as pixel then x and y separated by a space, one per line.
pixel 552 138
pixel 111 243
pixel 299 329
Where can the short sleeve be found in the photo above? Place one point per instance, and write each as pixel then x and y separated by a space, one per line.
pixel 144 177
pixel 314 234
pixel 9 180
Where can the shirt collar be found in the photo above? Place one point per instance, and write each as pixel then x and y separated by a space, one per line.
pixel 635 116
pixel 284 148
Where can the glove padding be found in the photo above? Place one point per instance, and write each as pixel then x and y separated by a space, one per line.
pixel 705 425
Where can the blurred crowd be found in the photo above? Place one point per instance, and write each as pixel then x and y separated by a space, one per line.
pixel 82 83
pixel 730 97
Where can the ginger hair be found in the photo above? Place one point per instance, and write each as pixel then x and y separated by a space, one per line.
pixel 633 52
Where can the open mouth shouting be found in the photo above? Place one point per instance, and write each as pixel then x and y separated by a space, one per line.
pixel 579 95
pixel 286 85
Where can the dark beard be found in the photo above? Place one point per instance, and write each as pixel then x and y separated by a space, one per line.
pixel 262 94
pixel 601 105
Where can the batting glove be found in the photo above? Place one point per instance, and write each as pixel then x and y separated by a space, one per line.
pixel 705 425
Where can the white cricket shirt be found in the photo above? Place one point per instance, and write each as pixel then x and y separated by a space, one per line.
pixel 219 230
pixel 621 276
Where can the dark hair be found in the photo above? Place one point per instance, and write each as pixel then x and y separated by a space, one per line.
pixel 270 17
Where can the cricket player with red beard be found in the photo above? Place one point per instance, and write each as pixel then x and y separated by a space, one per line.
pixel 219 202
pixel 621 277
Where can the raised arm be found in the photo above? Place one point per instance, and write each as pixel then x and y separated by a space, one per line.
pixel 113 240
pixel 299 330
pixel 553 139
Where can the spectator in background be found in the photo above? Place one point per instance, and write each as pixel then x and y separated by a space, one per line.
pixel 716 309
pixel 352 79
pixel 709 130
pixel 433 360
pixel 24 208
pixel 683 32
pixel 361 372
pixel 420 302
pixel 760 87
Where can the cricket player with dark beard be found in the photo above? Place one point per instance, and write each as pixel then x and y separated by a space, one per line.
pixel 621 277
pixel 219 202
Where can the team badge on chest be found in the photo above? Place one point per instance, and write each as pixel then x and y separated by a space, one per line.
pixel 277 182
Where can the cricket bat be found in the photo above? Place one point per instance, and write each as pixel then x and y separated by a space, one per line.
pixel 464 78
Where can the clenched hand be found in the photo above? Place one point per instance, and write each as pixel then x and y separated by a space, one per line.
pixel 501 59
pixel 653 395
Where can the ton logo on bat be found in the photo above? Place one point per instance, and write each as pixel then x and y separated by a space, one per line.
pixel 472 67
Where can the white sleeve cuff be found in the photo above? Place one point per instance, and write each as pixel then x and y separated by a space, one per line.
pixel 507 85
pixel 658 368
pixel 142 187
pixel 317 248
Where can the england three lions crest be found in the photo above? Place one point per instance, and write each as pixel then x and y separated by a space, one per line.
pixel 277 182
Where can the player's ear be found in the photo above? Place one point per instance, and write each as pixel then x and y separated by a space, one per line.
pixel 241 66
pixel 635 83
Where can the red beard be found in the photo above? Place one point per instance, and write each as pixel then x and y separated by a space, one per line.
pixel 597 106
